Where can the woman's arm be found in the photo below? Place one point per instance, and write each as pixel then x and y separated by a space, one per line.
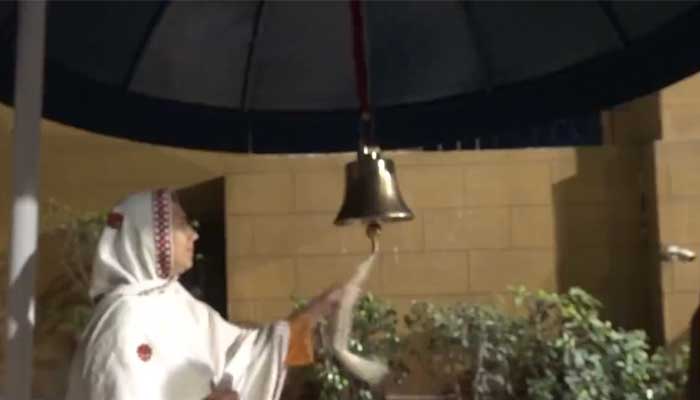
pixel 302 323
pixel 256 358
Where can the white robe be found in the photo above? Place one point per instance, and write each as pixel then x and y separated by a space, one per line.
pixel 149 339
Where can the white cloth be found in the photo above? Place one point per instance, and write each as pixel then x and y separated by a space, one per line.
pixel 370 371
pixel 149 338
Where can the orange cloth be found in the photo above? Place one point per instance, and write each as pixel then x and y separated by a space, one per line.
pixel 301 349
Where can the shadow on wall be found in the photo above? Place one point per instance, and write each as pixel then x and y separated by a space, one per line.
pixel 604 242
pixel 53 346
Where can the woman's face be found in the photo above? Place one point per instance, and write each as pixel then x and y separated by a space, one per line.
pixel 184 237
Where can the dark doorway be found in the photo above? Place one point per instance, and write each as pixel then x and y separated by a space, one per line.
pixel 204 204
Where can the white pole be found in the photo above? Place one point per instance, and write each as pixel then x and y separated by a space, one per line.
pixel 29 68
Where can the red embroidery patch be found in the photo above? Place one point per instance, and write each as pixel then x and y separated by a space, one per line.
pixel 145 352
pixel 114 220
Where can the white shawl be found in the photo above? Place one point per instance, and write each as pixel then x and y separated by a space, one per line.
pixel 149 339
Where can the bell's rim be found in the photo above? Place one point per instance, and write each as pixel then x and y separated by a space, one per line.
pixel 389 217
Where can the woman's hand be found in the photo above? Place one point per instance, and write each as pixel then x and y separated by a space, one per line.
pixel 322 305
pixel 327 302
pixel 223 395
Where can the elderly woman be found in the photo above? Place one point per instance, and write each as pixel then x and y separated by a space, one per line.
pixel 149 339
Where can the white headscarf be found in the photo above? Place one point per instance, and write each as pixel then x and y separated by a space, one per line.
pixel 135 249
pixel 149 338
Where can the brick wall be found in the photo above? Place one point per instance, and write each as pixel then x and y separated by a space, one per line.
pixel 667 128
pixel 678 164
pixel 484 220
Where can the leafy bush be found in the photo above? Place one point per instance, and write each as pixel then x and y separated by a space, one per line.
pixel 64 304
pixel 557 349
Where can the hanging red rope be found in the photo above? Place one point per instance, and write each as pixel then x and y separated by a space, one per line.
pixel 358 40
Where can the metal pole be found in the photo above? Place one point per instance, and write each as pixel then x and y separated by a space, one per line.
pixel 31 25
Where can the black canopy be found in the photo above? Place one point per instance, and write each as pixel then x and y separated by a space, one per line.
pixel 175 72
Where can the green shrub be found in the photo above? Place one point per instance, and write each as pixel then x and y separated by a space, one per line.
pixel 557 348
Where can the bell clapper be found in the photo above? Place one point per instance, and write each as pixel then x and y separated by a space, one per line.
pixel 373 232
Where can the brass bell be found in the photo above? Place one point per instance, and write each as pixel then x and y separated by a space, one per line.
pixel 371 191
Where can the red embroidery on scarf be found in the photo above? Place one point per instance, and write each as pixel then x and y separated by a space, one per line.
pixel 161 232
pixel 145 352
pixel 114 220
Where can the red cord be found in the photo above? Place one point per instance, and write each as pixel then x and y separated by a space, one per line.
pixel 358 39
